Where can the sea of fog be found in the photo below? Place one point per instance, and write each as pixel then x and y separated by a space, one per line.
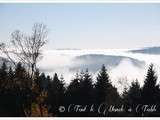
pixel 60 61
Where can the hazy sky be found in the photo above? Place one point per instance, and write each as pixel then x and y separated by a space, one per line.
pixel 89 26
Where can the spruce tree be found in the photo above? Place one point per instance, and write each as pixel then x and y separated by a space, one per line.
pixel 134 93
pixel 105 92
pixel 22 89
pixel 102 85
pixel 44 81
pixel 55 94
pixel 73 91
pixel 132 98
pixel 20 77
pixel 86 88
pixel 150 88
pixel 12 99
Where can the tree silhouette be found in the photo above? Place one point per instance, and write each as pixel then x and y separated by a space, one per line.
pixel 102 85
pixel 105 92
pixel 150 87
pixel 73 91
pixel 132 98
pixel 134 93
pixel 86 88
pixel 55 94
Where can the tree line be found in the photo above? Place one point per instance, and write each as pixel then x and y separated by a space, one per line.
pixel 18 98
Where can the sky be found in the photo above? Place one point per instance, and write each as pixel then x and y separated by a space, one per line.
pixel 86 26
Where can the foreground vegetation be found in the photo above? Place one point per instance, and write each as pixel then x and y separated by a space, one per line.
pixel 47 95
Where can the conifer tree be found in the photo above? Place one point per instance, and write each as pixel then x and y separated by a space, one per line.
pixel 55 94
pixel 150 88
pixel 73 91
pixel 105 92
pixel 102 85
pixel 20 77
pixel 134 93
pixel 132 98
pixel 86 88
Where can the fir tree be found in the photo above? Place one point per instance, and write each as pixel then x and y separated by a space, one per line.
pixel 86 88
pixel 150 88
pixel 105 92
pixel 132 98
pixel 55 94
pixel 102 85
pixel 134 93
pixel 73 91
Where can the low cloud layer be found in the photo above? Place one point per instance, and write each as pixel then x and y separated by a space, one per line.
pixel 63 62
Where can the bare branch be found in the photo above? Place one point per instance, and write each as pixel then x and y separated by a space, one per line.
pixel 27 48
pixel 6 52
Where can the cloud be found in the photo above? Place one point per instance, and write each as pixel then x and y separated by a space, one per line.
pixel 126 70
pixel 61 61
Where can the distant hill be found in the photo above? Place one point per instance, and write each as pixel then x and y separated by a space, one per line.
pixel 91 61
pixel 94 61
pixel 147 50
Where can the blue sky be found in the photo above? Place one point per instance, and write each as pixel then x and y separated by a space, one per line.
pixel 86 26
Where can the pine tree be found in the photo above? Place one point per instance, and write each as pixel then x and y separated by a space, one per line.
pixel 132 98
pixel 44 81
pixel 20 77
pixel 105 92
pixel 102 85
pixel 41 82
pixel 86 88
pixel 12 99
pixel 73 91
pixel 62 88
pixel 150 88
pixel 56 92
pixel 22 89
pixel 134 93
